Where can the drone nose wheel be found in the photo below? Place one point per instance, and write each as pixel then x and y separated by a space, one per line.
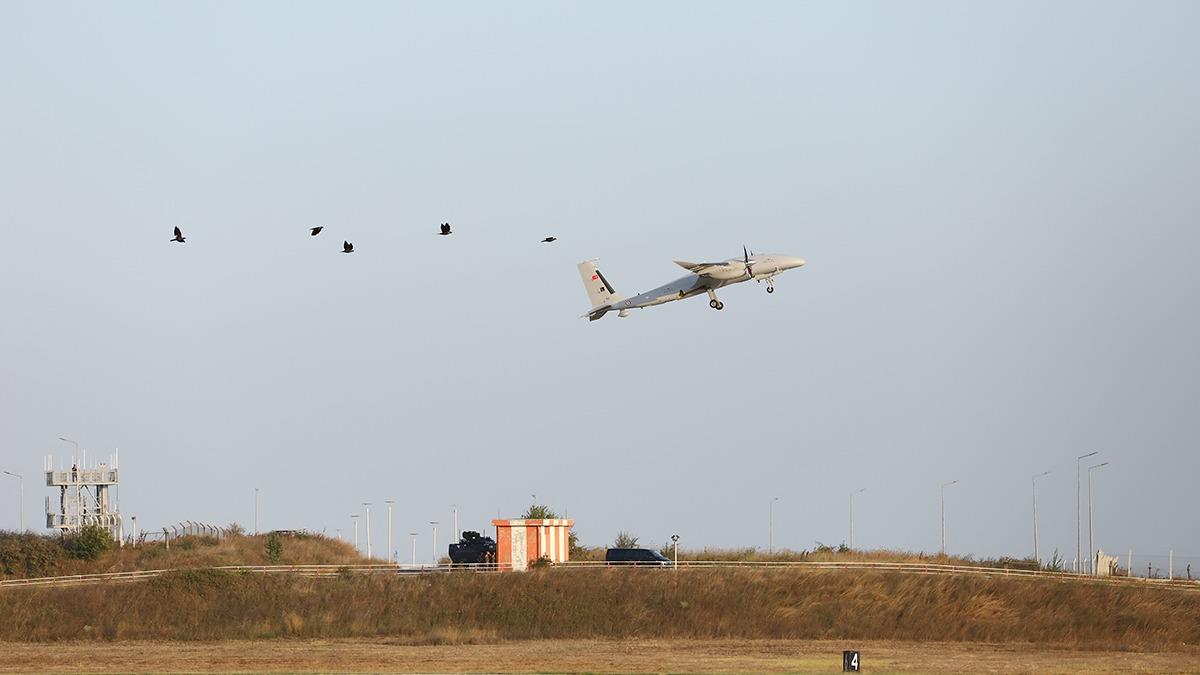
pixel 770 289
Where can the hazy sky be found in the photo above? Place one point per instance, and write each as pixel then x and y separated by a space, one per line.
pixel 998 204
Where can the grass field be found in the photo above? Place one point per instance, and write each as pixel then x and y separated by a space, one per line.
pixel 573 656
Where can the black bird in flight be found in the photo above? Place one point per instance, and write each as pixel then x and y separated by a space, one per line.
pixel 316 230
pixel 178 235
pixel 547 240
pixel 347 247
pixel 445 229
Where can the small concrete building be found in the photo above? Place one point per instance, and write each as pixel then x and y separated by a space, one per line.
pixel 520 542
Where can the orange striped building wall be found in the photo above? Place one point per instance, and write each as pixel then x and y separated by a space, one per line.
pixel 520 542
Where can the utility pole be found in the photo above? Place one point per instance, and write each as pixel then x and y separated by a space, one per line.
pixel 368 507
pixel 1035 542
pixel 1078 514
pixel 354 518
pixel 455 534
pixel 852 514
pixel 771 525
pixel 944 486
pixel 434 523
pixel 414 536
pixel 391 552
pixel 675 542
pixel 1091 547
pixel 20 498
pixel 255 510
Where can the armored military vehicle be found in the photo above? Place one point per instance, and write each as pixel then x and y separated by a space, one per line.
pixel 473 548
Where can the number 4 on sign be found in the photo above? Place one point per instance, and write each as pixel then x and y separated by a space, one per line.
pixel 850 662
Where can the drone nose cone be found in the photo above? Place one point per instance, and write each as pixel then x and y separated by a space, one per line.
pixel 796 262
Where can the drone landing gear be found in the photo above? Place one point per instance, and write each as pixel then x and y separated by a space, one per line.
pixel 714 302
pixel 770 285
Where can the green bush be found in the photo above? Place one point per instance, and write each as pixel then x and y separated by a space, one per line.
pixel 274 548
pixel 89 543
pixel 191 541
pixel 28 555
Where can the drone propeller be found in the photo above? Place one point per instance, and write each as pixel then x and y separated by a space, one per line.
pixel 749 262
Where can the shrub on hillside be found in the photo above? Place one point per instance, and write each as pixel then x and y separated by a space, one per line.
pixel 191 541
pixel 28 555
pixel 89 543
pixel 274 548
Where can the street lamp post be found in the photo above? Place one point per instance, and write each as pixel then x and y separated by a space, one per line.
pixel 391 552
pixel 414 536
pixel 455 533
pixel 255 510
pixel 852 514
pixel 944 486
pixel 675 543
pixel 434 523
pixel 20 498
pixel 354 518
pixel 67 440
pixel 1079 518
pixel 1036 557
pixel 1091 547
pixel 367 505
pixel 771 525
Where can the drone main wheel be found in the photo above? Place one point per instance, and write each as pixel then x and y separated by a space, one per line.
pixel 720 305
pixel 714 304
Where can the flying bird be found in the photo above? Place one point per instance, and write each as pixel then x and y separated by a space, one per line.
pixel 178 235
pixel 547 240
pixel 445 229
pixel 347 247
pixel 316 230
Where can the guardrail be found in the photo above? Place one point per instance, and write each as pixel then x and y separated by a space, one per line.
pixel 390 569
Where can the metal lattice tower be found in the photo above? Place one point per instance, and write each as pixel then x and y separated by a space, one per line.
pixel 83 497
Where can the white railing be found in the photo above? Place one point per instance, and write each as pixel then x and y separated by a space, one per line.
pixel 58 477
pixel 684 565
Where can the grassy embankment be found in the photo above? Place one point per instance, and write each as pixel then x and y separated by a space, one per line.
pixel 611 603
pixel 572 603
pixel 30 555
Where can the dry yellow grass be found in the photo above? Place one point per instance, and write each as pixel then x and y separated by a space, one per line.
pixel 614 604
pixel 571 656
